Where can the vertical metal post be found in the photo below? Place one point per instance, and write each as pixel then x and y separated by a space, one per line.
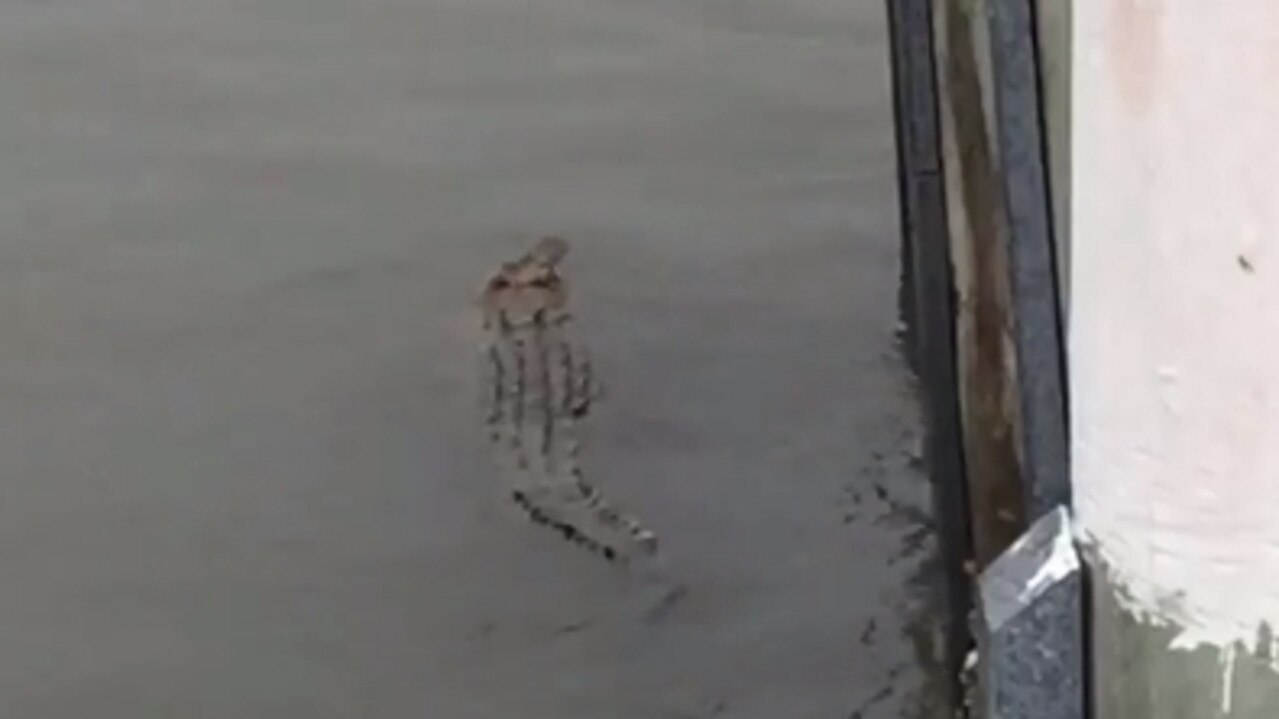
pixel 930 299
pixel 1037 334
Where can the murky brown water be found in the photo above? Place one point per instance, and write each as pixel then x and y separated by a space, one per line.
pixel 245 472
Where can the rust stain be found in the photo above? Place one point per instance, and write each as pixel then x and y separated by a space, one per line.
pixel 1135 48
pixel 988 374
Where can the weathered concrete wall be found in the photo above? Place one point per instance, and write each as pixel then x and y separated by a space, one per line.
pixel 979 237
pixel 980 248
pixel 1002 142
pixel 1174 341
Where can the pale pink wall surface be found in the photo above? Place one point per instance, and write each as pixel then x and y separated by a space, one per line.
pixel 1174 317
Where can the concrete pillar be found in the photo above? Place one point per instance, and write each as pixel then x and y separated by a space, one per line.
pixel 1174 352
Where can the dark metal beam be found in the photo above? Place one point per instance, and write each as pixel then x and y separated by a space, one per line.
pixel 930 301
